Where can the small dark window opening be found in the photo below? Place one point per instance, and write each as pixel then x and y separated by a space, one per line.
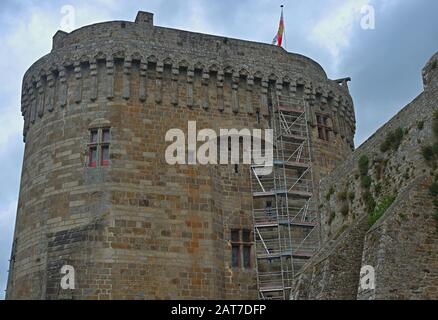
pixel 99 148
pixel 236 168
pixel 322 124
pixel 247 257
pixel 235 253
pixel 258 116
pixel 241 247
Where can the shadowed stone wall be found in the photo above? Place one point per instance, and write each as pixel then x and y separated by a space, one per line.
pixel 401 246
pixel 140 228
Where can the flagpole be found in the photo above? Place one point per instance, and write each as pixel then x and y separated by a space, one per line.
pixel 284 30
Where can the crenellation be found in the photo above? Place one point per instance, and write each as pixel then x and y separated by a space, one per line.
pixel 190 77
pixel 63 87
pixel 174 86
pixel 143 79
pixel 237 88
pixel 220 91
pixel 94 80
pixel 264 98
pixel 249 95
pixel 205 88
pixel 50 97
pixel 110 78
pixel 127 64
pixel 78 82
pixel 235 96
pixel 33 104
pixel 159 82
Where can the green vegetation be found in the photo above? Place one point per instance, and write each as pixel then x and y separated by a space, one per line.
pixel 365 182
pixel 364 165
pixel 380 209
pixel 342 196
pixel 434 189
pixel 377 189
pixel 369 201
pixel 434 64
pixel 427 153
pixel 392 140
pixel 435 124
pixel 436 216
pixel 345 210
pixel 435 149
pixel 430 154
pixel 330 193
pixel 332 217
pixel 351 196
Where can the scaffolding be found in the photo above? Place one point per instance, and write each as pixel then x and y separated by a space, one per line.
pixel 285 218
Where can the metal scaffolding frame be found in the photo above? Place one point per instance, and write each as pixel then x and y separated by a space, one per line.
pixel 285 219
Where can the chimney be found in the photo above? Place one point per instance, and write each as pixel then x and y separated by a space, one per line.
pixel 145 18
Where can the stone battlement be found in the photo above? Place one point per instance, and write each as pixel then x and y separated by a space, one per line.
pixel 104 52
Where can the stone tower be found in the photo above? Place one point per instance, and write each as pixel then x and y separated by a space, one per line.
pixel 96 192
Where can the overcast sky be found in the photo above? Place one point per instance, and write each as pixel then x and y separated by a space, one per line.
pixel 385 63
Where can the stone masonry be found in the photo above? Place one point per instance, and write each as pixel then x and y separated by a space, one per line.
pixel 401 246
pixel 134 227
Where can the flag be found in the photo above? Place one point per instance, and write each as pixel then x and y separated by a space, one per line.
pixel 278 39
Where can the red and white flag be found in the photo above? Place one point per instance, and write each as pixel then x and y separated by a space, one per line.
pixel 278 39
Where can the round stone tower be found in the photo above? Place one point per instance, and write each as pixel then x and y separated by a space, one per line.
pixel 96 192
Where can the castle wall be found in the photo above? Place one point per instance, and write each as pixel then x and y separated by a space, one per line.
pixel 402 248
pixel 401 245
pixel 139 228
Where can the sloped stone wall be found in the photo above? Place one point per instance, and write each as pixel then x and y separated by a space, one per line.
pixel 401 243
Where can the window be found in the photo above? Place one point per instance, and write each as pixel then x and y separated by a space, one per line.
pixel 247 257
pixel 98 147
pixel 241 246
pixel 322 123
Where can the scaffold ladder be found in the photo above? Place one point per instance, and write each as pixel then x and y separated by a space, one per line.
pixel 284 216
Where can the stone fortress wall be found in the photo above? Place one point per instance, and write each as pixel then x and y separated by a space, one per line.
pixel 402 245
pixel 139 228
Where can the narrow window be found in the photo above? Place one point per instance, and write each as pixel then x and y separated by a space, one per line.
pixel 247 257
pixel 94 136
pixel 235 253
pixel 323 127
pixel 258 116
pixel 106 135
pixel 241 246
pixel 93 157
pixel 235 248
pixel 236 168
pixel 246 236
pixel 99 147
pixel 235 237
pixel 104 156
